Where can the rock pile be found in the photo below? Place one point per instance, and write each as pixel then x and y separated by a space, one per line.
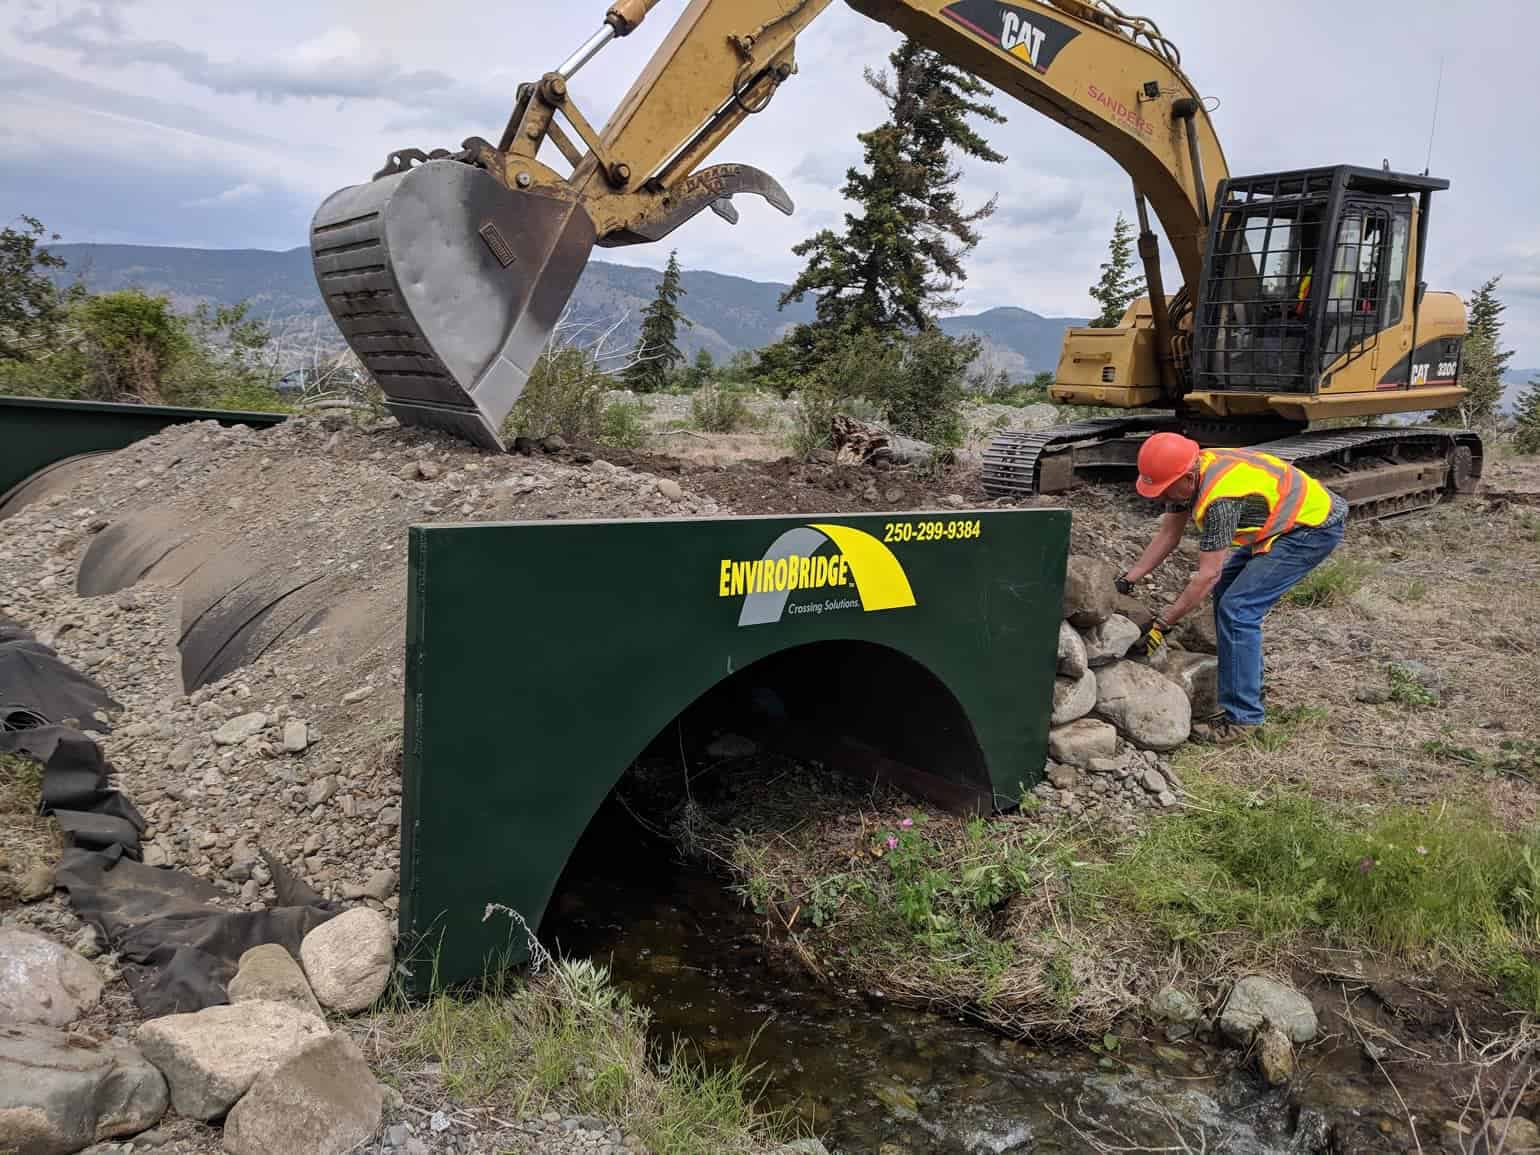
pixel 266 1062
pixel 1115 716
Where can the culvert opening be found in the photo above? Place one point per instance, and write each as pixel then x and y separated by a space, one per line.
pixel 861 709
pixel 836 724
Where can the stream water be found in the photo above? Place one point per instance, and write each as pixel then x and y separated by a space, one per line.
pixel 872 1077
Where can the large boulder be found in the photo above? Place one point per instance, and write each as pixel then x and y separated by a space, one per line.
pixel 1258 1002
pixel 43 982
pixel 1198 675
pixel 1148 709
pixel 322 1100
pixel 1134 610
pixel 348 959
pixel 211 1057
pixel 1088 591
pixel 1110 641
pixel 60 1092
pixel 269 973
pixel 1196 631
pixel 1073 698
pixel 1072 656
pixel 1079 742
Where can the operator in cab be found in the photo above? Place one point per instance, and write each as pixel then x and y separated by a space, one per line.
pixel 1280 524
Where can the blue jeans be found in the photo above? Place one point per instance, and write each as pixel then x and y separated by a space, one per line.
pixel 1250 585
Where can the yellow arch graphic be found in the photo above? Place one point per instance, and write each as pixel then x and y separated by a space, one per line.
pixel 880 579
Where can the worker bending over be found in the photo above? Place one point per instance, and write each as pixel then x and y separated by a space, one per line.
pixel 1281 521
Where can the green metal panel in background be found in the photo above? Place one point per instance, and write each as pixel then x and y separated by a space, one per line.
pixel 37 432
pixel 543 657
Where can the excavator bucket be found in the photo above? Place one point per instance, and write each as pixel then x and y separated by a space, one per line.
pixel 447 285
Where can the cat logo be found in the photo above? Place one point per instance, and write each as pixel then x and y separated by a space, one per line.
pixel 1021 38
pixel 1033 39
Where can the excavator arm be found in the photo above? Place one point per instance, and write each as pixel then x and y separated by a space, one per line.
pixel 449 271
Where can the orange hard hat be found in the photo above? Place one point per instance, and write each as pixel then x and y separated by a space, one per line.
pixel 1164 459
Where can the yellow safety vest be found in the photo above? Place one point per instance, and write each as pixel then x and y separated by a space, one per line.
pixel 1293 497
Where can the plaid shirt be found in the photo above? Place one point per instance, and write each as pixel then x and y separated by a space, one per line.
pixel 1228 514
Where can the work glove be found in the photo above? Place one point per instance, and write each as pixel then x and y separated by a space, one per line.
pixel 1125 587
pixel 1155 640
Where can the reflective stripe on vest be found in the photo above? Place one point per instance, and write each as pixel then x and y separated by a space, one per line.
pixel 1292 496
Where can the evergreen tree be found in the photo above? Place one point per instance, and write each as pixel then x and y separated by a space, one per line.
pixel 1527 438
pixel 1483 359
pixel 1119 286
pixel 31 306
pixel 700 372
pixel 657 352
pixel 900 257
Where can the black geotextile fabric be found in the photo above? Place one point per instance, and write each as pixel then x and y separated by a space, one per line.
pixel 92 814
pixel 38 687
pixel 178 951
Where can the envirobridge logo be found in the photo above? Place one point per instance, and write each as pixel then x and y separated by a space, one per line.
pixel 794 562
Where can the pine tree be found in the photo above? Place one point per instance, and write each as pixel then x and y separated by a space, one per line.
pixel 699 372
pixel 900 257
pixel 1527 415
pixel 31 306
pixel 1119 286
pixel 1483 359
pixel 657 352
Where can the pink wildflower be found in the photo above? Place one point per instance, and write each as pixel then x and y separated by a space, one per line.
pixel 892 843
pixel 907 823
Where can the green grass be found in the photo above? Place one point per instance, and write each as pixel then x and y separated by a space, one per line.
pixel 1513 758
pixel 570 1040
pixel 21 780
pixel 1331 583
pixel 1283 725
pixel 1444 883
pixel 1406 689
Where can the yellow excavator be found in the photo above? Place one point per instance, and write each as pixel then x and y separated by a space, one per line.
pixel 1302 300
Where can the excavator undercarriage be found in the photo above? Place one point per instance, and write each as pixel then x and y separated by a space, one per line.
pixel 1380 472
pixel 1302 300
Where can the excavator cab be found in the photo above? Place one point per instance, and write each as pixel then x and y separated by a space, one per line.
pixel 1309 292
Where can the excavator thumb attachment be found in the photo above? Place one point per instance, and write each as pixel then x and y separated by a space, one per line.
pixel 447 285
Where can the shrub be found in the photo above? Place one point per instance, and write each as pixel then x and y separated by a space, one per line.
pixel 623 425
pixel 719 408
pixel 923 398
pixel 564 395
pixel 812 425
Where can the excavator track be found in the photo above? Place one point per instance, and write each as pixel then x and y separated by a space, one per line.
pixel 1382 472
pixel 1385 472
pixel 1022 464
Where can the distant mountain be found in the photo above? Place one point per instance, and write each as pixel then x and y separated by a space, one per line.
pixel 1016 340
pixel 728 313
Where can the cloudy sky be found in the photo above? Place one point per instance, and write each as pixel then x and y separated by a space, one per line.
pixel 182 122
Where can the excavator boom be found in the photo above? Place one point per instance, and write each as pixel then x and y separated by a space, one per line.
pixel 1302 297
pixel 448 272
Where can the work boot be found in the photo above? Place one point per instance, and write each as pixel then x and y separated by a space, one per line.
pixel 1222 731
